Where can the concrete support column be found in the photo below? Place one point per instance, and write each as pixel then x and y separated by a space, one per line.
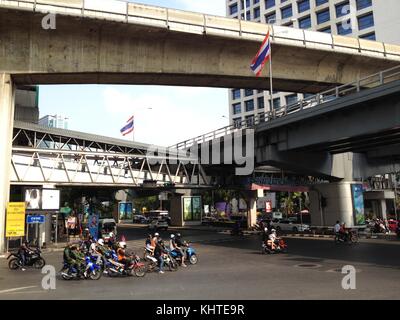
pixel 383 209
pixel 338 204
pixel 176 211
pixel 6 130
pixel 252 215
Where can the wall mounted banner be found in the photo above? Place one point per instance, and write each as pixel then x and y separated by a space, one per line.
pixel 15 221
pixel 358 204
pixel 93 225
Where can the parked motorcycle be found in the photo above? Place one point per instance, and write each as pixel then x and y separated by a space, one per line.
pixel 91 271
pixel 34 260
pixel 191 255
pixel 280 247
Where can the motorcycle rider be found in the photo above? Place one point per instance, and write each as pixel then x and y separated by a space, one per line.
pixel 24 252
pixel 122 257
pixel 174 247
pixel 95 252
pixel 336 229
pixel 78 257
pixel 181 244
pixel 272 239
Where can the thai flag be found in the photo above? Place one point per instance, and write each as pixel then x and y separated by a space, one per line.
pixel 262 56
pixel 128 127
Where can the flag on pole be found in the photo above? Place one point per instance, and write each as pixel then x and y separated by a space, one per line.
pixel 262 56
pixel 128 128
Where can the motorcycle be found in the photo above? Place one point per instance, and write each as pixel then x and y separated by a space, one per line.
pixel 92 270
pixel 113 268
pixel 34 260
pixel 170 262
pixel 398 230
pixel 280 247
pixel 352 238
pixel 191 255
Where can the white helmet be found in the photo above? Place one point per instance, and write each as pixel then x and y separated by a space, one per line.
pixel 265 229
pixel 273 230
pixel 122 244
pixel 100 242
pixel 172 236
pixel 156 234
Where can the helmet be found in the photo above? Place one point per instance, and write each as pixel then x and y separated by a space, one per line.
pixel 172 236
pixel 156 234
pixel 100 242
pixel 265 229
pixel 178 235
pixel 273 230
pixel 111 235
pixel 122 244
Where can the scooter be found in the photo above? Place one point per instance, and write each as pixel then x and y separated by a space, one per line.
pixel 92 270
pixel 280 247
pixel 191 255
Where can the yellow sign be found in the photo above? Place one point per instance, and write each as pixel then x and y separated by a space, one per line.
pixel 15 222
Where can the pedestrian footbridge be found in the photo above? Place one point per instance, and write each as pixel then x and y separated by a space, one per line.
pixel 69 158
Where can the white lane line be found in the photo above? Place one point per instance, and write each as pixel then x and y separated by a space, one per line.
pixel 17 289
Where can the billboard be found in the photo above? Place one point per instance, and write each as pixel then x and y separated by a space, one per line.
pixel 50 199
pixel 358 204
pixel 15 221
pixel 125 211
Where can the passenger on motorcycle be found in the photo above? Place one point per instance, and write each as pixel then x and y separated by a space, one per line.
pixel 95 252
pixel 24 253
pixel 336 229
pixel 148 243
pixel 174 247
pixel 273 240
pixel 344 233
pixel 159 251
pixel 181 243
pixel 122 257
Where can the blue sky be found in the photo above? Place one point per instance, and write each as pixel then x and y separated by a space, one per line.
pixel 163 115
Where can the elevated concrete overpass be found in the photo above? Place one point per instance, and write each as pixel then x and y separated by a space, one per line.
pixel 126 43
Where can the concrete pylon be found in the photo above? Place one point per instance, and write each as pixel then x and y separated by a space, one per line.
pixel 7 94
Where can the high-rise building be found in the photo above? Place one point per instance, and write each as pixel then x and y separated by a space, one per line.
pixel 56 121
pixel 368 19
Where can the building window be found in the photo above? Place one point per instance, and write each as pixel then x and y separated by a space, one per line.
pixel 248 92
pixel 366 21
pixel 326 30
pixel 237 122
pixel 361 4
pixel 303 5
pixel 250 120
pixel 260 103
pixel 320 2
pixel 233 8
pixel 256 12
pixel 342 9
pixel 291 99
pixel 276 103
pixel 270 18
pixel 269 4
pixel 323 16
pixel 235 94
pixel 287 12
pixel 344 28
pixel 305 23
pixel 237 108
pixel 249 105
pixel 369 36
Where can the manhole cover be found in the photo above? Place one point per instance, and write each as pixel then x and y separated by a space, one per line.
pixel 308 265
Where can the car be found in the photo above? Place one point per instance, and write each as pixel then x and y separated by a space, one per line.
pixel 138 218
pixel 287 225
pixel 158 224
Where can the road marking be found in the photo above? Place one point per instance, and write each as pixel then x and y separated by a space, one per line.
pixel 17 289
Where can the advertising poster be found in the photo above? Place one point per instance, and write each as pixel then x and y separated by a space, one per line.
pixel 125 211
pixel 192 208
pixel 15 221
pixel 358 204
pixel 93 225
pixel 32 199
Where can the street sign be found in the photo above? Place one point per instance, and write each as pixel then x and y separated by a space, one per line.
pixel 15 221
pixel 35 219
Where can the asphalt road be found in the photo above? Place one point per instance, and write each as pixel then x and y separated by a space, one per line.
pixel 232 268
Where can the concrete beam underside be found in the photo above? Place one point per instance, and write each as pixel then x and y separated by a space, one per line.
pixel 95 51
pixel 7 94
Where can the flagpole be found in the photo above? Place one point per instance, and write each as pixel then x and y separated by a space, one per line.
pixel 270 75
pixel 133 131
